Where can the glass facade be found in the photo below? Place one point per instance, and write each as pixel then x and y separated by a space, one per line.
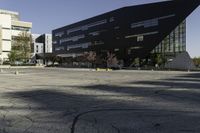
pixel 174 43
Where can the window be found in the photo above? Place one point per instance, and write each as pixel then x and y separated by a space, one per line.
pixel 20 28
pixel 54 42
pixel 140 38
pixel 136 47
pixel 36 48
pixel 112 19
pixel 173 43
pixel 81 45
pixel 117 38
pixel 97 23
pixel 168 16
pixel 59 48
pixel 145 24
pixel 135 25
pixel 74 29
pixel 116 27
pixel 98 42
pixel 94 33
pixel 59 34
pixel 85 27
pixel 143 34
pixel 151 22
pixel 74 38
pixel 117 49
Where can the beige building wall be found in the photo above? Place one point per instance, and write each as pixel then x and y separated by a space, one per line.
pixel 0 40
pixel 10 27
pixel 5 41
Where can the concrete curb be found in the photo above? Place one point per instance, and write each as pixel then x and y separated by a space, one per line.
pixel 22 67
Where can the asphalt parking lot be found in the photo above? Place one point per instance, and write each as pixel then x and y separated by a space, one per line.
pixel 46 100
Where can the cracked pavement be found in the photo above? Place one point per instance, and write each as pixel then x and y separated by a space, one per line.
pixel 57 100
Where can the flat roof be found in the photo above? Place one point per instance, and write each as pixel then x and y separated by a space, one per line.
pixel 8 12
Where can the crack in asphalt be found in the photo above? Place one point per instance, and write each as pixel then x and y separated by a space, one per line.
pixel 77 117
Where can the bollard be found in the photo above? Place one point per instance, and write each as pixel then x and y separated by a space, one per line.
pixel 108 69
pixel 16 72
pixel 1 70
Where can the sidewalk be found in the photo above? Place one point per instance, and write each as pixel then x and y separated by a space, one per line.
pixel 8 66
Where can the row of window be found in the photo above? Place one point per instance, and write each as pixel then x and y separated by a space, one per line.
pixel 74 38
pixel 20 28
pixel 59 34
pixel 145 24
pixel 142 34
pixel 59 48
pixel 81 45
pixel 140 37
pixel 96 33
pixel 84 27
pixel 151 22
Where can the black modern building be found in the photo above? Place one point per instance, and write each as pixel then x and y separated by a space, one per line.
pixel 127 33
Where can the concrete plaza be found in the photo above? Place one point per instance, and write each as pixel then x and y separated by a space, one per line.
pixel 56 100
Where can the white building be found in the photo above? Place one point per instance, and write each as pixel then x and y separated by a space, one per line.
pixel 42 44
pixel 48 43
pixel 10 27
pixel 37 47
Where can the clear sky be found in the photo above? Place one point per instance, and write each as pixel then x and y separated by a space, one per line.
pixel 47 15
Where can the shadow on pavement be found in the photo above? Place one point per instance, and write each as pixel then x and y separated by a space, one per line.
pixel 159 106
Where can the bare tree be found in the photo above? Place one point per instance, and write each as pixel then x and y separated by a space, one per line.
pixel 111 59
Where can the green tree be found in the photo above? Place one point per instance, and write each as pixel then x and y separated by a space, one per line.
pixel 136 62
pixel 158 59
pixel 196 61
pixel 12 56
pixel 21 48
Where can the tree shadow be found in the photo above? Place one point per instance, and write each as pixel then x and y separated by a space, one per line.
pixel 144 106
pixel 191 75
pixel 53 111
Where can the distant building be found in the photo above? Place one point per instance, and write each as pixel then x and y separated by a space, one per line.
pixel 42 45
pixel 46 39
pixel 37 48
pixel 10 27
pixel 128 33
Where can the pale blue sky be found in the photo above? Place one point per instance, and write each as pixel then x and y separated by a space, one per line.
pixel 47 15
